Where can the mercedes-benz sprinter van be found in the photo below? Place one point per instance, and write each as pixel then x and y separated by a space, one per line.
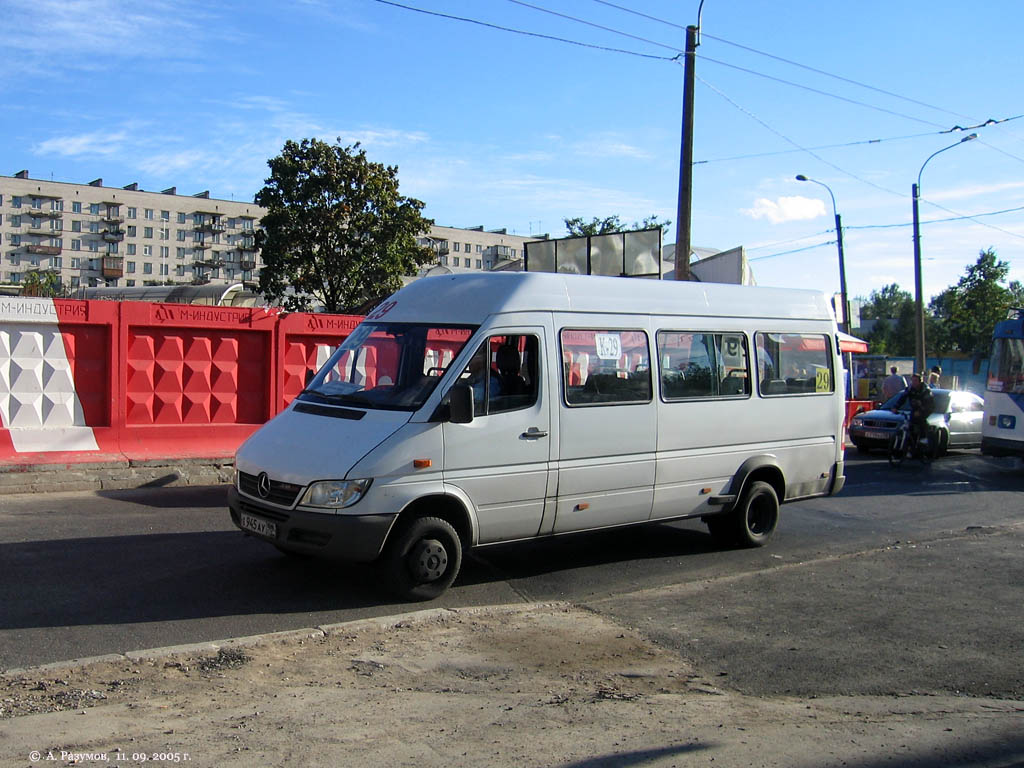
pixel 476 409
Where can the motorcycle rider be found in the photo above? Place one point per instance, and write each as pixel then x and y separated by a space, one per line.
pixel 922 404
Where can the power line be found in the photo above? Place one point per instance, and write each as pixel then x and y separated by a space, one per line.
pixel 824 146
pixel 596 26
pixel 960 217
pixel 795 250
pixel 829 74
pixel 522 31
pixel 818 91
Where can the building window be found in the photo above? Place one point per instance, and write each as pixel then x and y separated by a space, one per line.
pixel 112 248
pixel 181 235
pixel 94 246
pixel 466 261
pixel 163 269
pixel 76 226
pixel 76 207
pixel 180 253
pixel 147 232
pixel 181 218
pixel 165 233
pixel 457 246
pixel 147 250
pixel 130 283
pixel 56 262
pixel 76 245
pixel 469 248
pixel 165 215
pixel 149 213
pixel 16 202
pixel 131 249
pixel 479 264
pixel 132 213
pixel 75 262
pixel 129 267
pixel 94 209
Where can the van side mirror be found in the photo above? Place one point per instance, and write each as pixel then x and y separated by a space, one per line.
pixel 460 404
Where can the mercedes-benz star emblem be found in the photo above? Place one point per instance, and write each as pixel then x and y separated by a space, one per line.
pixel 263 485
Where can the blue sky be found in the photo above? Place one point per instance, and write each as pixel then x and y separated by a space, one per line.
pixel 501 129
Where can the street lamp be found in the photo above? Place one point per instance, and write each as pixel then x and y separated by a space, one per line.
pixel 845 325
pixel 915 190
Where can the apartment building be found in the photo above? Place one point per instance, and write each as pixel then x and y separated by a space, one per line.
pixel 92 235
pixel 474 248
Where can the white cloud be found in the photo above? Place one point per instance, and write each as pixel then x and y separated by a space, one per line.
pixel 95 143
pixel 785 209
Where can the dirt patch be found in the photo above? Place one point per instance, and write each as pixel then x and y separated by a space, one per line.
pixel 525 685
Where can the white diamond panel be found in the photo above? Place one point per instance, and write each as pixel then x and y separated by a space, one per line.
pixel 38 403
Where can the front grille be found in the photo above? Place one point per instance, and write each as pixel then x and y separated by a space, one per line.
pixel 281 493
pixel 262 511
pixel 879 424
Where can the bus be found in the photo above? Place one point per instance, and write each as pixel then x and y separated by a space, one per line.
pixel 1002 432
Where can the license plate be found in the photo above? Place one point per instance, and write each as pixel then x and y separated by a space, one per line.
pixel 258 526
pixel 876 435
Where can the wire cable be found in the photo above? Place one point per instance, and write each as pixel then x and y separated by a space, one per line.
pixel 596 26
pixel 824 146
pixel 523 32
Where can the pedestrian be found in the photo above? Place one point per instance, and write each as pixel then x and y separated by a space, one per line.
pixel 934 375
pixel 893 384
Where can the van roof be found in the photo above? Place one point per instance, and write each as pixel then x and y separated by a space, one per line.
pixel 469 298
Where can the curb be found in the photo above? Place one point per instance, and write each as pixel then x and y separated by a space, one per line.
pixel 284 636
pixel 127 474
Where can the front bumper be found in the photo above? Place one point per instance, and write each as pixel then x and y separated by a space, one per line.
pixel 346 537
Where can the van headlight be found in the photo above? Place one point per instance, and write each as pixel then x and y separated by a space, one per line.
pixel 335 494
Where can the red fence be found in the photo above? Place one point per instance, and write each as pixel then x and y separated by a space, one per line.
pixel 88 381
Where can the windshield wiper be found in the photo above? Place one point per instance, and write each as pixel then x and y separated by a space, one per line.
pixel 339 397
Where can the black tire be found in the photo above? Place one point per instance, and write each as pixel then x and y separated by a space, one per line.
pixel 423 558
pixel 756 515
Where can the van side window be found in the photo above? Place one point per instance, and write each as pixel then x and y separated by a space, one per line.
pixel 605 367
pixel 504 373
pixel 794 363
pixel 702 365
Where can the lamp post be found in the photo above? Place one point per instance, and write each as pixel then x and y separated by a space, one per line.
pixel 845 324
pixel 915 190
pixel 683 210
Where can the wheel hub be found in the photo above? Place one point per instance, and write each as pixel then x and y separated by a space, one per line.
pixel 428 560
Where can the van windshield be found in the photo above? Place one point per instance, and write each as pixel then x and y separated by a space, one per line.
pixel 391 366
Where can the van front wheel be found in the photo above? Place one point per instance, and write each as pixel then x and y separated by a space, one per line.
pixel 423 559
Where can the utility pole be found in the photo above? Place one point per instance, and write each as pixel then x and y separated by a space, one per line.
pixel 686 157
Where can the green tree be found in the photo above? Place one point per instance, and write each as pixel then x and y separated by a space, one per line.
pixel 971 308
pixel 336 230
pixel 40 284
pixel 892 309
pixel 577 227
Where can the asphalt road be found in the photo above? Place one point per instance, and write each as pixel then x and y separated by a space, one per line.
pixel 909 581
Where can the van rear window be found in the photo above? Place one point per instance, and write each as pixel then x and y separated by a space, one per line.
pixel 794 363
pixel 605 366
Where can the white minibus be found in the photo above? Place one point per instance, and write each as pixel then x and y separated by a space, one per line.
pixel 474 409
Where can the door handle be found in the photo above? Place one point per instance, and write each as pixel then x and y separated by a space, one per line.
pixel 533 433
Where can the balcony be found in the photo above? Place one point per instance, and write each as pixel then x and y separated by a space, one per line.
pixel 113 266
pixel 34 229
pixel 200 280
pixel 212 263
pixel 109 218
pixel 41 214
pixel 246 244
pixel 247 266
pixel 113 235
pixel 210 225
pixel 44 250
pixel 199 245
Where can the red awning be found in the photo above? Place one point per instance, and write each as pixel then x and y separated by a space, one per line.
pixel 848 343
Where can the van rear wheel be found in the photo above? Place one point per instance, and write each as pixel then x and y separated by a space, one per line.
pixel 423 559
pixel 757 515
